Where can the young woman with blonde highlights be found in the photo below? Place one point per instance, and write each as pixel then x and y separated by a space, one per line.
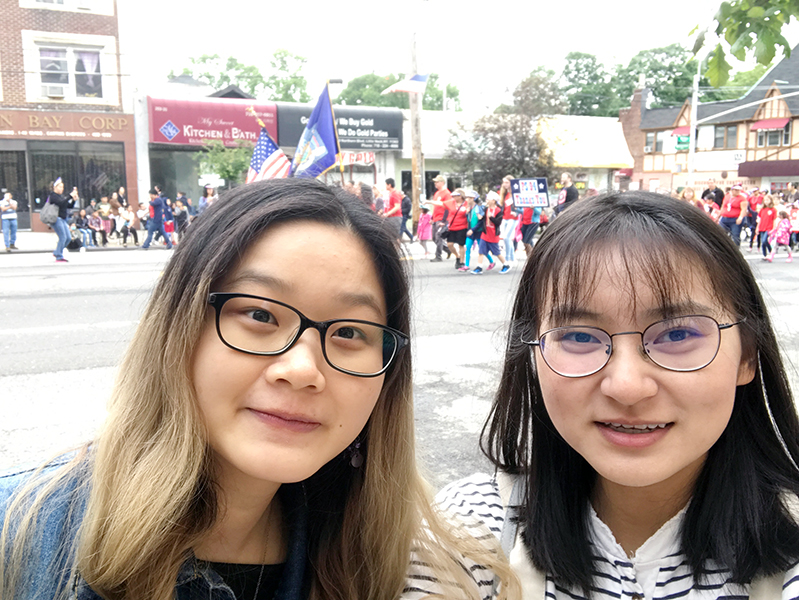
pixel 244 456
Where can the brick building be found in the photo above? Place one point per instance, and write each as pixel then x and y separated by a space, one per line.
pixel 61 108
pixel 738 141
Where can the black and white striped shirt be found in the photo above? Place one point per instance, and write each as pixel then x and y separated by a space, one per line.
pixel 657 571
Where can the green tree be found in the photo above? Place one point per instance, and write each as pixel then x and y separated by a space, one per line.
pixel 507 141
pixel 432 100
pixel 537 94
pixel 669 72
pixel 741 82
pixel 748 27
pixel 284 81
pixel 588 87
pixel 366 91
pixel 230 164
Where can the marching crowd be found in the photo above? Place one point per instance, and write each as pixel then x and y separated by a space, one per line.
pixel 771 221
pixel 462 223
pixel 478 231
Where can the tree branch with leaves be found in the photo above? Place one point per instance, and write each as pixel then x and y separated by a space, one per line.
pixel 748 27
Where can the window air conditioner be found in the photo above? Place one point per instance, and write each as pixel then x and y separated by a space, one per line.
pixel 648 148
pixel 53 91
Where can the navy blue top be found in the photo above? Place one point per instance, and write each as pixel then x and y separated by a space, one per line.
pixel 47 570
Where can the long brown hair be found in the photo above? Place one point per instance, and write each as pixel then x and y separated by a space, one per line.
pixel 153 494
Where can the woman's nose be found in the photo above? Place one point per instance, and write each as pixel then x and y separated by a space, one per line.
pixel 629 375
pixel 302 365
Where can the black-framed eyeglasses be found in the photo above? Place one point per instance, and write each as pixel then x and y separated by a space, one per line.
pixel 683 344
pixel 266 327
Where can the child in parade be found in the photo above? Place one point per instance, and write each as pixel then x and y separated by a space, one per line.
pixel 781 236
pixel 424 229
pixel 490 238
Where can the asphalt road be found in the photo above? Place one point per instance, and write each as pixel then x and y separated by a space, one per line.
pixel 64 328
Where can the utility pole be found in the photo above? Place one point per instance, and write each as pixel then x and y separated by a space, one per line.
pixel 693 122
pixel 416 141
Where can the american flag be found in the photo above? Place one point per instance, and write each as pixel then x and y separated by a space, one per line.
pixel 268 162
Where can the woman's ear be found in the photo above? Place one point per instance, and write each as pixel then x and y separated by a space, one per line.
pixel 747 371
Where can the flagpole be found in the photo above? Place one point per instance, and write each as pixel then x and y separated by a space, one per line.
pixel 335 131
pixel 416 142
pixel 252 112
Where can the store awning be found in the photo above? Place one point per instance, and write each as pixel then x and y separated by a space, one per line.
pixel 625 173
pixel 769 168
pixel 681 130
pixel 769 124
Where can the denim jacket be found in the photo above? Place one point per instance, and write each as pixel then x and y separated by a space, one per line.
pixel 47 570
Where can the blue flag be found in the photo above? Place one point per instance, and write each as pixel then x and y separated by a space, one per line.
pixel 318 146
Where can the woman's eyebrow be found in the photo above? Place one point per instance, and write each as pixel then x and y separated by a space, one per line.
pixel 565 313
pixel 359 299
pixel 677 309
pixel 252 276
pixel 354 299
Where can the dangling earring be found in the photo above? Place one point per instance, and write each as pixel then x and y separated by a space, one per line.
pixel 354 452
pixel 769 412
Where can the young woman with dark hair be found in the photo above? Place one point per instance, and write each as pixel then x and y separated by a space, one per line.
pixel 260 438
pixel 644 428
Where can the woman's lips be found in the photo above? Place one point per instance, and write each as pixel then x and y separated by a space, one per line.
pixel 639 435
pixel 290 422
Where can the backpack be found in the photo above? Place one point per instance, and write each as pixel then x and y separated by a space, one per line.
pixel 49 214
pixel 496 220
pixel 405 206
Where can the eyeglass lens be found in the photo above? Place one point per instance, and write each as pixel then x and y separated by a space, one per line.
pixel 678 344
pixel 260 326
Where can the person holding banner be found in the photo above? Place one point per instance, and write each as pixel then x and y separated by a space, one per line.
pixel 509 227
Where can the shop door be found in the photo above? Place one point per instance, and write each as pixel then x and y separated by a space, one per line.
pixel 13 179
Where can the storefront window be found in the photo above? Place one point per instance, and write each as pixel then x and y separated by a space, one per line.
pixel 95 168
pixel 12 179
pixel 49 161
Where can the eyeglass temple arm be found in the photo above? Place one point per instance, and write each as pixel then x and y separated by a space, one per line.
pixel 729 325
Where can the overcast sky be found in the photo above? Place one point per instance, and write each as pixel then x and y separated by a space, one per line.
pixel 485 48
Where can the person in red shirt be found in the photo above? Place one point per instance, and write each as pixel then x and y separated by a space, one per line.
pixel 754 201
pixel 734 210
pixel 766 221
pixel 490 237
pixel 457 226
pixel 438 216
pixel 393 210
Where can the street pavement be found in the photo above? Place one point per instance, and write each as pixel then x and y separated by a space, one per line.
pixel 65 327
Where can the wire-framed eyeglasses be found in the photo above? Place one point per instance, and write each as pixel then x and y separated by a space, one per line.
pixel 686 343
pixel 266 327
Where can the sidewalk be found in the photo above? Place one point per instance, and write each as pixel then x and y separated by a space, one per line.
pixel 30 242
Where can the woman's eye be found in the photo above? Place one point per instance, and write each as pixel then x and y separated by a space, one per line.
pixel 578 337
pixel 671 336
pixel 349 333
pixel 260 315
